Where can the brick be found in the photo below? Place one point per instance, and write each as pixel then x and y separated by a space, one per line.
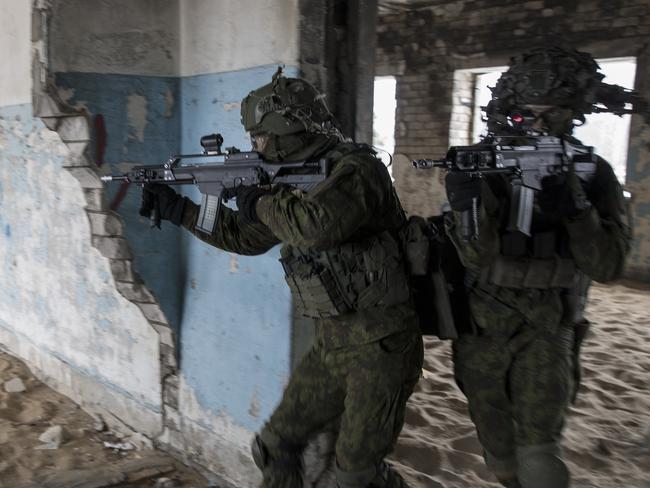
pixel 106 224
pixel 152 312
pixel 94 199
pixel 135 292
pixel 624 22
pixel 112 247
pixel 73 128
pixel 167 360
pixel 87 176
pixel 122 270
pixel 166 334
pixel 76 150
pixel 47 108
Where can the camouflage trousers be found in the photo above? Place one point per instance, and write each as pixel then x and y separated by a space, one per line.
pixel 362 388
pixel 518 383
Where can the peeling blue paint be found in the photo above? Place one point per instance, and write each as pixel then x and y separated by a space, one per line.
pixel 8 230
pixel 156 252
pixel 104 324
pixel 236 327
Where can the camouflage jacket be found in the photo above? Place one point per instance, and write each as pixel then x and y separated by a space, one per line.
pixel 357 200
pixel 598 243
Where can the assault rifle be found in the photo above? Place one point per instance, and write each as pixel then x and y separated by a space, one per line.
pixel 527 159
pixel 223 173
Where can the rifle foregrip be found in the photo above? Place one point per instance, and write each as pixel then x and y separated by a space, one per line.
pixel 469 222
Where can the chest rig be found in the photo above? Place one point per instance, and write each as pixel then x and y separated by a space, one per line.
pixel 369 271
pixel 542 260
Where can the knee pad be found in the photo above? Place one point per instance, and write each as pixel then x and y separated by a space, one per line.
pixel 260 453
pixel 270 451
pixel 505 469
pixel 381 476
pixel 541 466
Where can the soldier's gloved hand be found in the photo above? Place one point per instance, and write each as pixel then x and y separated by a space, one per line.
pixel 247 198
pixel 163 203
pixel 563 195
pixel 461 190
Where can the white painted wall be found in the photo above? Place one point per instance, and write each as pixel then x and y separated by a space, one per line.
pixel 59 306
pixel 231 35
pixel 115 36
pixel 15 47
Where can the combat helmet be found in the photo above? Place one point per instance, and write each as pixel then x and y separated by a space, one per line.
pixel 287 106
pixel 545 76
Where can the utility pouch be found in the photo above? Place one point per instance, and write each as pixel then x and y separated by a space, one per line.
pixel 354 276
pixel 416 240
pixel 509 272
pixel 313 287
pixel 544 244
pixel 439 294
pixel 514 244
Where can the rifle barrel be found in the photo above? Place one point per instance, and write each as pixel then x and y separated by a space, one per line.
pixel 114 178
pixel 430 163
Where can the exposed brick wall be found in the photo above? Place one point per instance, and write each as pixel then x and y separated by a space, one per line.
pixel 424 46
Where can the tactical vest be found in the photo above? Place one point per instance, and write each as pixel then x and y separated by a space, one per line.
pixel 369 272
pixel 539 261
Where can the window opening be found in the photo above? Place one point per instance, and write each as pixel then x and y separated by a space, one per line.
pixel 383 120
pixel 607 133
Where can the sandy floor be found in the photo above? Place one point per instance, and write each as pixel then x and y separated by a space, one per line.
pixel 607 439
pixel 608 430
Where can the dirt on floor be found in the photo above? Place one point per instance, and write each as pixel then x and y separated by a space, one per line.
pixel 75 450
pixel 607 438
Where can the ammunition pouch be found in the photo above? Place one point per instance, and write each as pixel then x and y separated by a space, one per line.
pixel 513 272
pixel 436 277
pixel 416 240
pixel 353 276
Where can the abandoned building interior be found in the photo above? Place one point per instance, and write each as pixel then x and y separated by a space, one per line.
pixel 190 347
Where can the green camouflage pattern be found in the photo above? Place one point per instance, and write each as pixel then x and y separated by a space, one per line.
pixel 356 201
pixel 364 387
pixel 599 241
pixel 518 371
pixel 518 381
pixel 365 363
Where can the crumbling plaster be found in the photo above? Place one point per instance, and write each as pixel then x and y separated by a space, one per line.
pixel 234 317
pixel 60 308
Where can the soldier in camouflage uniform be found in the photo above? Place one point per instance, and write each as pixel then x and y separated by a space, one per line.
pixel 345 268
pixel 518 366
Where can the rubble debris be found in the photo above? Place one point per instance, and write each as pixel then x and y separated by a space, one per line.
pixel 53 437
pixel 15 385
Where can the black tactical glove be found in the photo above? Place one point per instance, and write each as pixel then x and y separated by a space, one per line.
pixel 462 190
pixel 247 197
pixel 160 202
pixel 564 196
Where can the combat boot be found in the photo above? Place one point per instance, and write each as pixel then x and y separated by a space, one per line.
pixel 381 476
